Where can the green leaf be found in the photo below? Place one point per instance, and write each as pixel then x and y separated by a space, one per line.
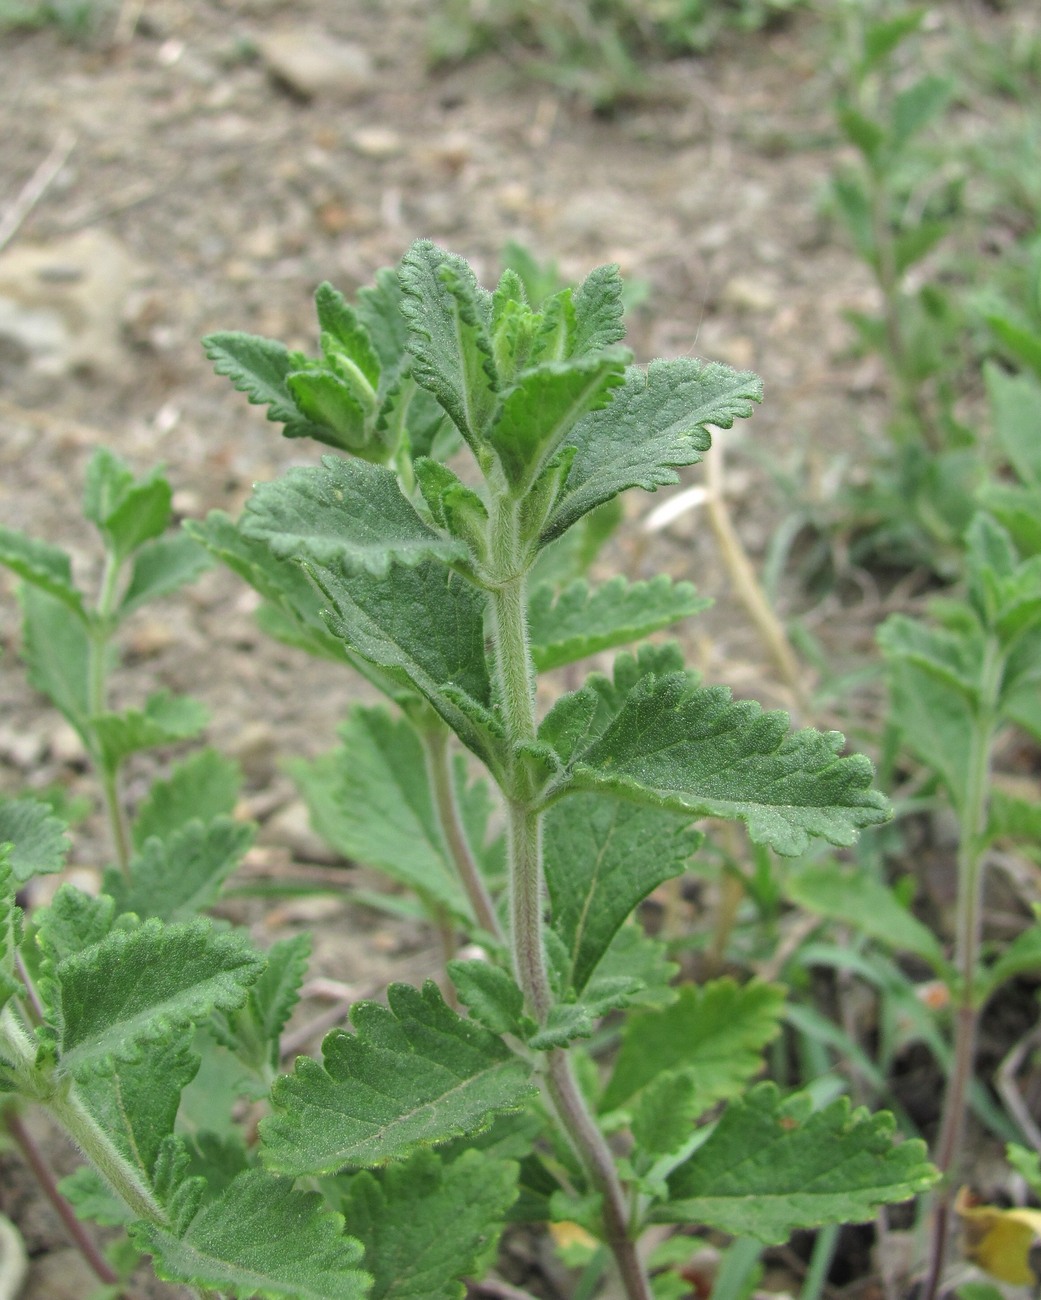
pixel 1021 956
pixel 258 367
pixel 140 986
pixel 1024 344
pixel 413 1075
pixel 426 1225
pixel 916 106
pixel 772 1165
pixel 45 566
pixel 448 320
pixel 180 875
pixel 602 858
pixel 36 839
pixel 645 961
pixel 160 567
pixel 856 899
pixel 338 417
pixel 201 787
pixel 261 1238
pixel 10 935
pixel 953 658
pixel 345 339
pixel 73 922
pixel 579 1018
pixel 580 621
pixel 539 412
pixel 882 38
pixel 598 308
pixel 696 750
pixel 56 650
pixel 717 1032
pixel 254 1030
pixel 656 421
pixel 284 585
pixel 93 1200
pixel 128 511
pixel 370 798
pixel 1010 817
pixel 165 720
pixel 424 627
pixel 490 994
pixel 379 310
pixel 343 512
pixel 664 1114
pixel 936 723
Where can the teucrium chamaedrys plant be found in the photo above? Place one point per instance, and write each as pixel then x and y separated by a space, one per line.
pixel 425 580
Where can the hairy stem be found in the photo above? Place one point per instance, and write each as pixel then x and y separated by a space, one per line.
pixel 515 679
pixel 971 861
pixel 439 771
pixel 100 633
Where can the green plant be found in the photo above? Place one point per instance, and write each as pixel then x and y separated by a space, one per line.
pixel 425 1129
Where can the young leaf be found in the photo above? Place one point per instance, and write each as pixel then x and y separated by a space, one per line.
pixel 165 720
pixel 598 310
pixel 602 858
pixel 343 512
pixel 35 838
pixel 128 511
pixel 773 1165
pixel 261 1238
pixel 448 319
pixel 426 1225
pixel 490 994
pixel 656 421
pixel 56 650
pixel 541 409
pixel 177 877
pixel 74 921
pixel 345 339
pixel 716 1033
pixel 202 787
pixel 258 367
pixel 370 798
pixel 160 567
pixel 936 723
pixel 413 1074
pixel 10 934
pixel 579 621
pixel 253 1031
pixel 664 1114
pixel 425 628
pixel 696 750
pixel 45 566
pixel 142 985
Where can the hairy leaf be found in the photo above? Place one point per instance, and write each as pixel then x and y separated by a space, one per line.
pixel 414 1074
pixel 602 858
pixel 426 1224
pixel 180 875
pixel 45 566
pixel 128 511
pixel 253 1031
pixel 580 621
pixel 598 309
pixel 345 338
pixel 716 1032
pixel 773 1165
pixel 490 994
pixel 448 319
pixel 74 921
pixel 165 720
pixel 141 985
pixel 261 1238
pixel 343 512
pixel 160 567
pixel 656 421
pixel 258 367
pixel 202 787
pixel 56 650
pixel 36 838
pixel 697 750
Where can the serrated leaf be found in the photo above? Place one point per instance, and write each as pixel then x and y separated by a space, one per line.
pixel 73 921
pixel 598 309
pixel 664 1114
pixel 56 650
pixel 165 720
pixel 142 985
pixel 602 858
pixel 580 621
pixel 655 422
pixel 10 934
pixel 258 367
pixel 542 408
pixel 343 512
pixel 644 960
pixel 285 586
pixel 716 1031
pixel 332 407
pixel 579 1018
pixel 45 566
pixel 951 657
pixel 414 1074
pixel 134 512
pixel 177 876
pixel 370 798
pixel 448 320
pixel 201 787
pixel 160 567
pixel 865 904
pixel 379 310
pixel 490 994
pixel 772 1165
pixel 424 627
pixel 347 339
pixel 261 1238
pixel 426 1225
pixel 37 839
pixel 93 1200
pixel 697 750
pixel 253 1031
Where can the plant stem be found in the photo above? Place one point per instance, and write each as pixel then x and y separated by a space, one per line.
pixel 439 770
pixel 971 861
pixel 515 678
pixel 100 633
pixel 82 1240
